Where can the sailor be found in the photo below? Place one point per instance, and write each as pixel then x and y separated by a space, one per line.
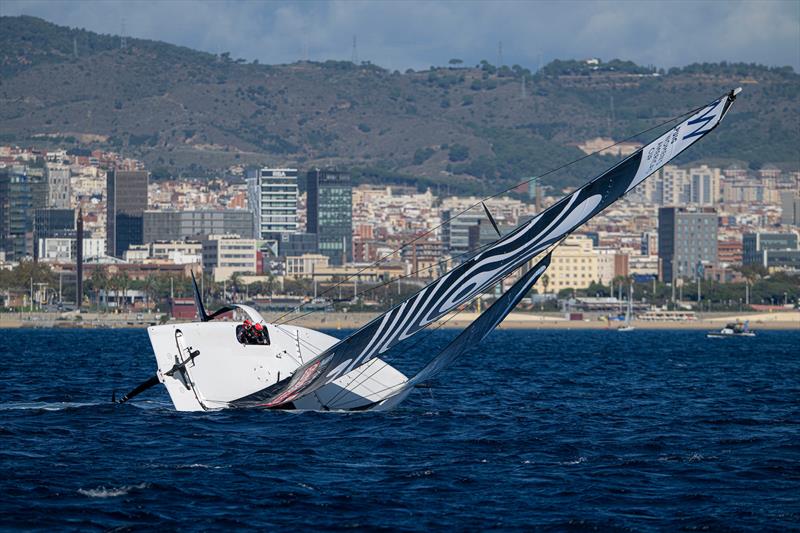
pixel 262 337
pixel 245 333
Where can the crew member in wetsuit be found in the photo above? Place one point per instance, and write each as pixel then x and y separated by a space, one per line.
pixel 262 337
pixel 244 333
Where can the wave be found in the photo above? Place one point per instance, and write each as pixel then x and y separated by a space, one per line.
pixel 111 492
pixel 46 406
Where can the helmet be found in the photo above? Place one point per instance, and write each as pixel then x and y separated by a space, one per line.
pixel 259 327
pixel 248 323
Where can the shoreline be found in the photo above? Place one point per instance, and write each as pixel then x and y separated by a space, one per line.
pixel 789 320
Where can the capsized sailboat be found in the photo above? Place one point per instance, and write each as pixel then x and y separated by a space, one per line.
pixel 204 366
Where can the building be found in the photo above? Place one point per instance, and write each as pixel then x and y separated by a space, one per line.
pixel 176 225
pixel 65 249
pixel 225 255
pixel 174 252
pixel 276 201
pixel 687 239
pixel 52 222
pixel 21 193
pixel 329 207
pixel 59 188
pixel 729 252
pixel 790 208
pixel 126 203
pixel 423 258
pixel 756 245
pixel 611 263
pixel 306 265
pixel 296 244
pixel 574 265
pixel 704 185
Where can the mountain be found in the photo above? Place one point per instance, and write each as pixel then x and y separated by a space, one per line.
pixel 485 126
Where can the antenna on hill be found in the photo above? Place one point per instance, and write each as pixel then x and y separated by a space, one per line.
pixel 354 58
pixel 75 47
pixel 522 87
pixel 123 40
pixel 500 54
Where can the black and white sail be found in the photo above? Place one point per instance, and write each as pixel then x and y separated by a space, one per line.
pixel 483 325
pixel 474 276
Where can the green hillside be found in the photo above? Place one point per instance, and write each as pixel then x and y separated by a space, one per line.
pixel 183 110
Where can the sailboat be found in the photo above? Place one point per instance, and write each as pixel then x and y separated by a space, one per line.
pixel 205 366
pixel 628 312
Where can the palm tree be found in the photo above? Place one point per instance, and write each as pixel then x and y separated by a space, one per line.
pixel 99 279
pixel 147 286
pixel 126 282
pixel 236 280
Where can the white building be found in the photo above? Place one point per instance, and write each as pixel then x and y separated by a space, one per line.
pixel 225 255
pixel 63 250
pixel 276 201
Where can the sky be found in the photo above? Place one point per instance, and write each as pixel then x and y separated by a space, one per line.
pixel 410 34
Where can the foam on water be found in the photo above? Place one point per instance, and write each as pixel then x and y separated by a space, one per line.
pixel 110 492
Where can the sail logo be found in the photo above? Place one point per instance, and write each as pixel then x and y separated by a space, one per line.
pixel 703 121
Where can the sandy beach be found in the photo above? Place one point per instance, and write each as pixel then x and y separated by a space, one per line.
pixel 348 321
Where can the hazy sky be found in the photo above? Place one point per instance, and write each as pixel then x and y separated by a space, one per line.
pixel 408 34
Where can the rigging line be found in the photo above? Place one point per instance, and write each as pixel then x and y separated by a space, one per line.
pixel 366 365
pixel 398 278
pixel 547 173
pixel 544 253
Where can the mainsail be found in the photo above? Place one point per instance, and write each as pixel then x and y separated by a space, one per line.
pixel 496 262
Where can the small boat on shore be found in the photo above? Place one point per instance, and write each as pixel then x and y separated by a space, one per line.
pixel 734 329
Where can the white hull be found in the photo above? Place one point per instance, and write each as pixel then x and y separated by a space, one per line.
pixel 226 370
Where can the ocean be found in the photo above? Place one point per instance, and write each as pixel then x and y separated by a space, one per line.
pixel 554 430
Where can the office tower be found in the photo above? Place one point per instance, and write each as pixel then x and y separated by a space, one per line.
pixel 181 225
pixel 276 201
pixel 330 213
pixel 687 238
pixel 125 205
pixel 59 189
pixel 20 195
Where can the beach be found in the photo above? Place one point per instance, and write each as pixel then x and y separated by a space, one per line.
pixel 350 321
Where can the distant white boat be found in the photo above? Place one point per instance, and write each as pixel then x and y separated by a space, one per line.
pixel 629 312
pixel 734 329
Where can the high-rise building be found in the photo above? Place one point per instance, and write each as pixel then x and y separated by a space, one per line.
pixel 20 195
pixel 790 208
pixel 687 239
pixel 276 197
pixel 175 225
pixel 704 185
pixel 330 213
pixel 125 205
pixel 59 189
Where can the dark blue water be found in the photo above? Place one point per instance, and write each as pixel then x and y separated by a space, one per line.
pixel 547 429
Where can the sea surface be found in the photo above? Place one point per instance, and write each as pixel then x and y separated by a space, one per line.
pixel 554 430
